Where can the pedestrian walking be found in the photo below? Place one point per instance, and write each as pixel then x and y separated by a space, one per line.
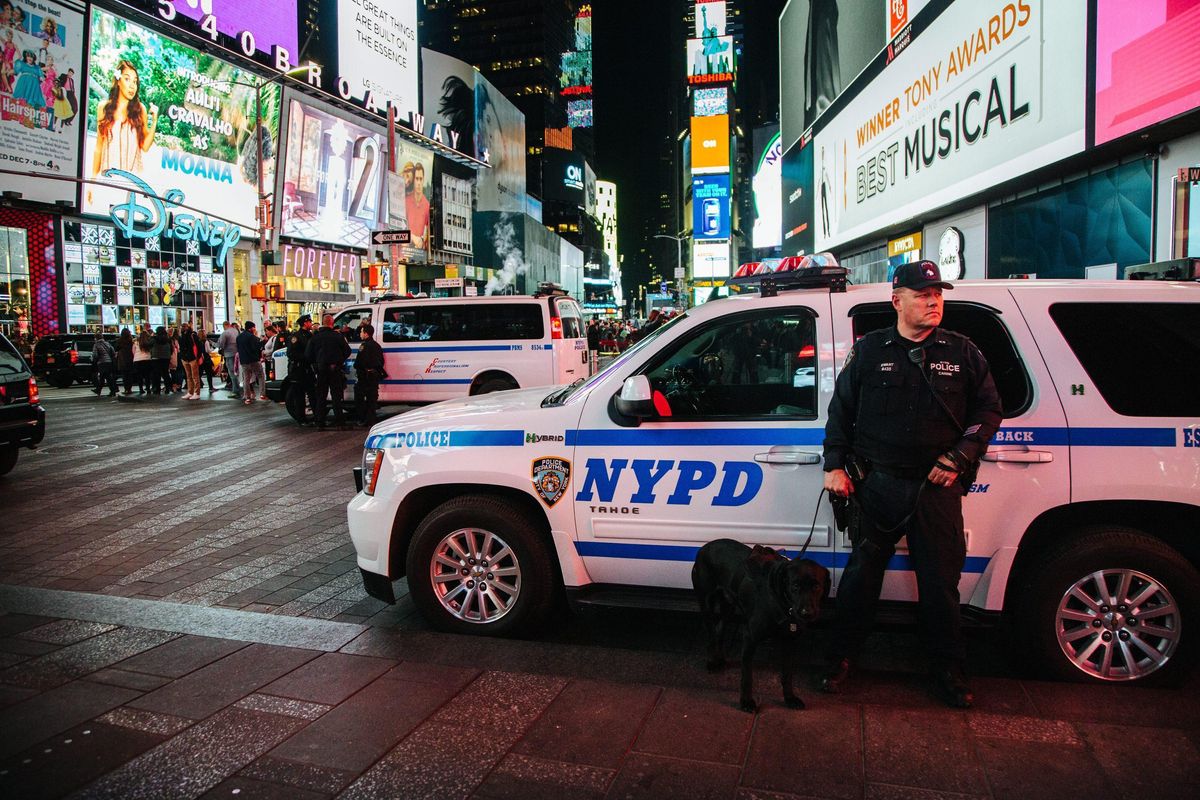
pixel 104 365
pixel 207 369
pixel 143 360
pixel 161 353
pixel 368 371
pixel 913 410
pixel 125 347
pixel 191 354
pixel 178 378
pixel 227 345
pixel 249 355
pixel 327 351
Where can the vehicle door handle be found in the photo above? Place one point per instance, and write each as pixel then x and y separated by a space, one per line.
pixel 1020 456
pixel 788 457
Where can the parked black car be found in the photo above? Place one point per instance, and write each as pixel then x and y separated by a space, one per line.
pixel 22 419
pixel 66 359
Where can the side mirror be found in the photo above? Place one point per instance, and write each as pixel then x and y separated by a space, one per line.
pixel 636 398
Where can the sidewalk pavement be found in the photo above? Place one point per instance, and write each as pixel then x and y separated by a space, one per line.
pixel 138 699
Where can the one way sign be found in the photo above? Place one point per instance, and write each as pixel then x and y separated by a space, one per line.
pixel 392 237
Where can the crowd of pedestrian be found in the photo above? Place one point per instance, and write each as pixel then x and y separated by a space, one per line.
pixel 611 336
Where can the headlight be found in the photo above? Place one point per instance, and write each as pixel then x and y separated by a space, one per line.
pixel 371 462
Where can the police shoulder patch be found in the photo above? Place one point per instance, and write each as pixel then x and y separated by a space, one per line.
pixel 550 478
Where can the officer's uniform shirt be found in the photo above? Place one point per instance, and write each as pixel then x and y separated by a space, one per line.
pixel 883 409
pixel 327 346
pixel 370 356
pixel 297 344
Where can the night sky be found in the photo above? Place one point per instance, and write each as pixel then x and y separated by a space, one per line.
pixel 632 77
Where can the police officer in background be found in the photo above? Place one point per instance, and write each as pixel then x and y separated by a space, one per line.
pixel 299 370
pixel 327 351
pixel 912 413
pixel 368 369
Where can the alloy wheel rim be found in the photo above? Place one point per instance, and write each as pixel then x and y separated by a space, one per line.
pixel 1118 624
pixel 475 575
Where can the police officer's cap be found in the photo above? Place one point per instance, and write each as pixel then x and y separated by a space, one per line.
pixel 303 319
pixel 919 275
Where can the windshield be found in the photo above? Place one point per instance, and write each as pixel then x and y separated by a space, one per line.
pixel 559 396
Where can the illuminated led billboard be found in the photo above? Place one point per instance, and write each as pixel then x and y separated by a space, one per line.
pixel 710 143
pixel 709 102
pixel 710 60
pixel 710 207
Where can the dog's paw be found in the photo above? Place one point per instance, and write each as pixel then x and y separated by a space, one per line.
pixel 715 664
pixel 749 706
pixel 793 702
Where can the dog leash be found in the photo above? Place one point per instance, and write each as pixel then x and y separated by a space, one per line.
pixel 813 526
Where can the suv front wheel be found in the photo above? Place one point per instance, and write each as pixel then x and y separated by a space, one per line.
pixel 1111 605
pixel 478 565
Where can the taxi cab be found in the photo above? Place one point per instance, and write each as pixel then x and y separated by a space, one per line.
pixel 1083 525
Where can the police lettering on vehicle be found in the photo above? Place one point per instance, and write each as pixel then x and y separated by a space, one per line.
pixel 740 482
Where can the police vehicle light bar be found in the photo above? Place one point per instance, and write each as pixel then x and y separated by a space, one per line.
pixel 795 272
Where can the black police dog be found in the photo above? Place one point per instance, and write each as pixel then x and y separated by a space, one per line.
pixel 768 593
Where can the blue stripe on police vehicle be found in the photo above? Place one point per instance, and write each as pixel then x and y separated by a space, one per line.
pixel 419 439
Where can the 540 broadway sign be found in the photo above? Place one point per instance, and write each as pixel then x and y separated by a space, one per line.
pixel 990 90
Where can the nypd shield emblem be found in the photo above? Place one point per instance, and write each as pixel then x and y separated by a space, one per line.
pixel 550 478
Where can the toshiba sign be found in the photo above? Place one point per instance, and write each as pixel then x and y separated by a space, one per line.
pixel 710 143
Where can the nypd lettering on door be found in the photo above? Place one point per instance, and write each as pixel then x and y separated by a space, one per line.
pixel 682 483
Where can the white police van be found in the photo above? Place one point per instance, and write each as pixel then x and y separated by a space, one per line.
pixel 440 348
pixel 1083 526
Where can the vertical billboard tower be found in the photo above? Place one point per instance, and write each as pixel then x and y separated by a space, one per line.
pixel 710 75
pixel 575 75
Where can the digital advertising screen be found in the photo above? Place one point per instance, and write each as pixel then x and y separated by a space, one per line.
pixel 41 77
pixel 579 114
pixel 333 177
pixel 448 98
pixel 163 118
pixel 710 60
pixel 710 18
pixel 378 51
pixel 934 127
pixel 589 190
pixel 500 142
pixel 710 143
pixel 410 192
pixel 798 203
pixel 269 22
pixel 454 188
pixel 710 102
pixel 564 178
pixel 767 187
pixel 575 73
pixel 710 207
pixel 1146 68
pixel 710 260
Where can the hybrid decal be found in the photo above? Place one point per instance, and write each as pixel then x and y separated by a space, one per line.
pixel 536 438
pixel 740 481
pixel 550 477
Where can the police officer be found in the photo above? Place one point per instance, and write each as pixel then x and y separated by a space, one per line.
pixel 368 369
pixel 327 351
pixel 299 370
pixel 913 410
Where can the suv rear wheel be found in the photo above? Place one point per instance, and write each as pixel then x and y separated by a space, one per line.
pixel 478 565
pixel 1110 606
pixel 62 378
pixel 8 458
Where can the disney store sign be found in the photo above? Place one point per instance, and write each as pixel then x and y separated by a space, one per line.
pixel 144 215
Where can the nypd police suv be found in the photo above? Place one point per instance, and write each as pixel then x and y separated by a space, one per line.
pixel 1082 526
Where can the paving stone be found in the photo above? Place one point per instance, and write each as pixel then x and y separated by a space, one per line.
pixel 590 722
pixel 527 778
pixel 210 688
pixel 130 680
pixel 148 721
pixel 323 780
pixel 926 749
pixel 52 712
pixel 330 678
pixel 819 748
pixel 1145 762
pixel 26 647
pixel 438 674
pixel 198 759
pixel 239 787
pixel 14 694
pixel 1024 729
pixel 884 791
pixel 1027 770
pixel 654 777
pixel 11 624
pixel 703 726
pixel 502 702
pixel 353 735
pixel 83 657
pixel 181 656
pixel 71 759
pixel 65 631
pixel 283 706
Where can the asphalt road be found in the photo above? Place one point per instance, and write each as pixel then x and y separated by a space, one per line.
pixel 181 616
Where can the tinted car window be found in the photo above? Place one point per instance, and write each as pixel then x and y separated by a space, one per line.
pixel 983 327
pixel 572 320
pixel 11 362
pixel 1143 357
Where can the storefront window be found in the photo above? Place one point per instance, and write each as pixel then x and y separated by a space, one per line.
pixel 113 282
pixel 1059 232
pixel 14 281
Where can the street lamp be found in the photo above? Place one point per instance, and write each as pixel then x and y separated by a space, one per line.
pixel 679 281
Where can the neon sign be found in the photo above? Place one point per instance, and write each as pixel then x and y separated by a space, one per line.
pixel 143 221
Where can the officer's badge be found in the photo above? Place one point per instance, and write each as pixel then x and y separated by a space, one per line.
pixel 550 478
